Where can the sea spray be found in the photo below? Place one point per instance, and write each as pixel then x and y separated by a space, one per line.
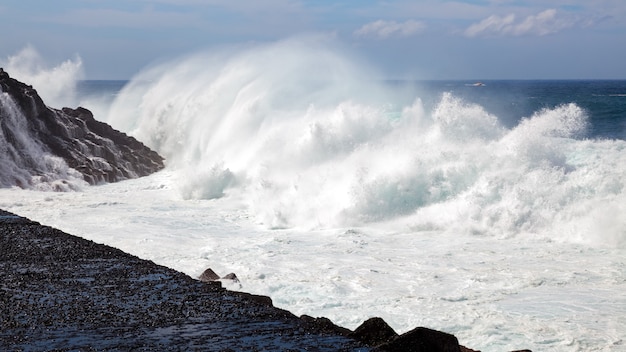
pixel 55 84
pixel 311 139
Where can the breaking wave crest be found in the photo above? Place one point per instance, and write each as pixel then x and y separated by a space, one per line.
pixel 309 137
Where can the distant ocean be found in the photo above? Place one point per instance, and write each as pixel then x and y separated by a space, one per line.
pixel 493 210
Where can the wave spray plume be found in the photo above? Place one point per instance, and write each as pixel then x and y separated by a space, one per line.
pixel 56 85
pixel 309 137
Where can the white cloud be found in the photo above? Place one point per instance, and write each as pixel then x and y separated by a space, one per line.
pixel 384 29
pixel 491 25
pixel 543 23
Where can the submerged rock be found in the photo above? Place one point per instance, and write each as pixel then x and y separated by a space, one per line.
pixel 44 145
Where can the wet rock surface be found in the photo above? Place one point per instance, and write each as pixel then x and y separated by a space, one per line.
pixel 374 332
pixel 29 129
pixel 63 292
pixel 421 340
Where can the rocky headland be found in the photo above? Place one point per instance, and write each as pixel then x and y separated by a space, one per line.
pixel 36 140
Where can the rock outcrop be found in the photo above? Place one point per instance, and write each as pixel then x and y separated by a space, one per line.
pixel 42 144
pixel 421 340
pixel 374 332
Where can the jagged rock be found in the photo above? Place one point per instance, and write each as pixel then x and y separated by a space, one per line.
pixel 324 325
pixel 231 277
pixel 231 280
pixel 209 275
pixel 33 133
pixel 422 340
pixel 374 332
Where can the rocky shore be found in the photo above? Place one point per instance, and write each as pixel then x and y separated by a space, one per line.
pixel 61 292
pixel 66 293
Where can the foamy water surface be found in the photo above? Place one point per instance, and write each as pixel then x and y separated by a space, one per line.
pixel 492 293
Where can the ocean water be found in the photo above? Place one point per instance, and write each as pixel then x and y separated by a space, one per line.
pixel 494 212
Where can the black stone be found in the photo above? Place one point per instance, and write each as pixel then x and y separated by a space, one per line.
pixel 208 275
pixel 325 325
pixel 422 340
pixel 373 332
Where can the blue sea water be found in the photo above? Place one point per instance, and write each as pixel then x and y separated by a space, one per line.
pixel 511 100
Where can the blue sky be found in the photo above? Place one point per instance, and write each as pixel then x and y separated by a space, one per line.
pixel 430 39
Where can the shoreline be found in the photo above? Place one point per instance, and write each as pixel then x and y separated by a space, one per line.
pixel 65 292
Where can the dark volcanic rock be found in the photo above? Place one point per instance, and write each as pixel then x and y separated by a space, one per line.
pixel 208 275
pixel 60 292
pixel 325 325
pixel 465 349
pixel 374 332
pixel 422 340
pixel 30 131
pixel 231 277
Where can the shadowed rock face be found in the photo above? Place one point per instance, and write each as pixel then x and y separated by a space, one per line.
pixel 374 332
pixel 31 133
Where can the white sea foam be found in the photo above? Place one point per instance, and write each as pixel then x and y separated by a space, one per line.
pixel 289 165
pixel 492 293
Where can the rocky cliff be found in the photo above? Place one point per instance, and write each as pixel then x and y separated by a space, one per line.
pixel 40 145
